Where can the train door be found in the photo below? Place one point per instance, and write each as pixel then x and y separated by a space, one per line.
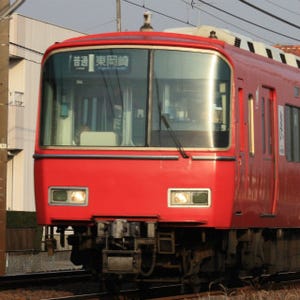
pixel 243 155
pixel 267 164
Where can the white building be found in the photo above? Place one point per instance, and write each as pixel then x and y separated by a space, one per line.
pixel 28 40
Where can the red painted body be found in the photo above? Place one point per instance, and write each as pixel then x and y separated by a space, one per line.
pixel 116 192
pixel 253 182
pixel 138 187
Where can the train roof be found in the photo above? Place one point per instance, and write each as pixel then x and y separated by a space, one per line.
pixel 133 37
pixel 137 37
pixel 189 36
pixel 241 42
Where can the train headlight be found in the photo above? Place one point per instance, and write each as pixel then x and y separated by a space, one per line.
pixel 189 197
pixel 78 196
pixel 68 196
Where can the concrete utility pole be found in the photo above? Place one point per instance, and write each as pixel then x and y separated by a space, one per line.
pixel 4 65
pixel 5 12
pixel 118 5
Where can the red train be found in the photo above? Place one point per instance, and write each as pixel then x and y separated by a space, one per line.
pixel 171 154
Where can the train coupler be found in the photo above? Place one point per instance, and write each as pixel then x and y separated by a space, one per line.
pixel 120 261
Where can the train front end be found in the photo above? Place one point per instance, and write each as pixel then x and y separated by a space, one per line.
pixel 135 150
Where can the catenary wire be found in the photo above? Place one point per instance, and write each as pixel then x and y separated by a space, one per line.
pixel 189 23
pixel 159 13
pixel 227 22
pixel 217 8
pixel 270 14
pixel 283 8
pixel 249 22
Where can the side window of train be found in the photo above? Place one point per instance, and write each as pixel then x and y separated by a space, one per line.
pixel 251 124
pixel 292 126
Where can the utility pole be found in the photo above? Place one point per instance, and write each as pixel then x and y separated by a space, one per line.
pixel 118 5
pixel 5 12
pixel 4 65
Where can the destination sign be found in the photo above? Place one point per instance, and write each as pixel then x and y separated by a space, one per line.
pixel 100 62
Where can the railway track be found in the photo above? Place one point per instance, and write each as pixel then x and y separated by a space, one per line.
pixel 91 296
pixel 71 285
pixel 20 280
pixel 148 293
pixel 47 285
pixel 286 285
pixel 291 293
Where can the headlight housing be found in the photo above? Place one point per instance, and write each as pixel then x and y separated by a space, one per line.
pixel 68 196
pixel 189 197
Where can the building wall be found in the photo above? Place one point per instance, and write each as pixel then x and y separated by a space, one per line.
pixel 16 104
pixel 29 39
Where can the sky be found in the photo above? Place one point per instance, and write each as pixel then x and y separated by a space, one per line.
pixel 271 21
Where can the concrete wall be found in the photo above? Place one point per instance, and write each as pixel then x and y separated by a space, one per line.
pixel 28 41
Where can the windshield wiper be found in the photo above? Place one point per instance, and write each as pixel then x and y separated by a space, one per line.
pixel 174 137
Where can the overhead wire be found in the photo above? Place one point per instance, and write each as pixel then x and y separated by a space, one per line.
pixel 283 8
pixel 227 22
pixel 159 13
pixel 249 22
pixel 192 3
pixel 269 14
pixel 100 25
pixel 188 22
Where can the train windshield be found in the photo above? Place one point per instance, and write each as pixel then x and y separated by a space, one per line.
pixel 124 97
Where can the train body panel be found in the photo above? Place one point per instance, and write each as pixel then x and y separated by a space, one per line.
pixel 113 192
pixel 262 175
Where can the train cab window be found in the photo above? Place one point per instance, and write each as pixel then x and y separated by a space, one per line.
pixel 118 97
pixel 192 92
pixel 95 98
